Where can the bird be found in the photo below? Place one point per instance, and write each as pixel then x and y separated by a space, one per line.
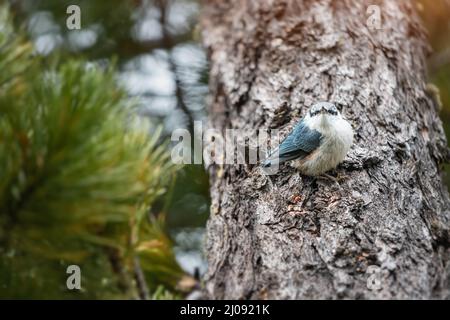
pixel 318 143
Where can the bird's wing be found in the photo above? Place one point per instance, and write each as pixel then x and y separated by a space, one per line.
pixel 301 142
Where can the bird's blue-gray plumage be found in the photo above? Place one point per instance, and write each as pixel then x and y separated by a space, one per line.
pixel 301 142
pixel 317 144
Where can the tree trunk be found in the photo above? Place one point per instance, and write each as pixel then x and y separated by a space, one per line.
pixel 383 232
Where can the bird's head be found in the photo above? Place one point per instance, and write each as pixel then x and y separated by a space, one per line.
pixel 323 113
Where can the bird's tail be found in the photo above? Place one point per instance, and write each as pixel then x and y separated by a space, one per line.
pixel 273 160
pixel 276 158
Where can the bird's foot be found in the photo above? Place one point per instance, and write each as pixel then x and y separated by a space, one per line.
pixel 339 178
pixel 325 176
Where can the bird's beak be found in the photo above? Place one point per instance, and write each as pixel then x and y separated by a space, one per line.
pixel 323 116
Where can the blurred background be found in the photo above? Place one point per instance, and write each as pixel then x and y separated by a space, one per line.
pixel 160 62
pixel 154 46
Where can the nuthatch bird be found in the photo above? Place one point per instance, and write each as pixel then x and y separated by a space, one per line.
pixel 317 144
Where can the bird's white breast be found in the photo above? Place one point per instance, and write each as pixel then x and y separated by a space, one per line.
pixel 337 138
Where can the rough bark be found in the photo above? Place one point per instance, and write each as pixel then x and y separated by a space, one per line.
pixel 292 237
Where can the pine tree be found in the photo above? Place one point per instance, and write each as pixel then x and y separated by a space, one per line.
pixel 78 176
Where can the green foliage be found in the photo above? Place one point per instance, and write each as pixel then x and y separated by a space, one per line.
pixel 162 294
pixel 78 176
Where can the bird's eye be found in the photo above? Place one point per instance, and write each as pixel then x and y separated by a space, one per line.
pixel 333 112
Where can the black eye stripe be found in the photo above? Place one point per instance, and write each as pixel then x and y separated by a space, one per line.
pixel 333 112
